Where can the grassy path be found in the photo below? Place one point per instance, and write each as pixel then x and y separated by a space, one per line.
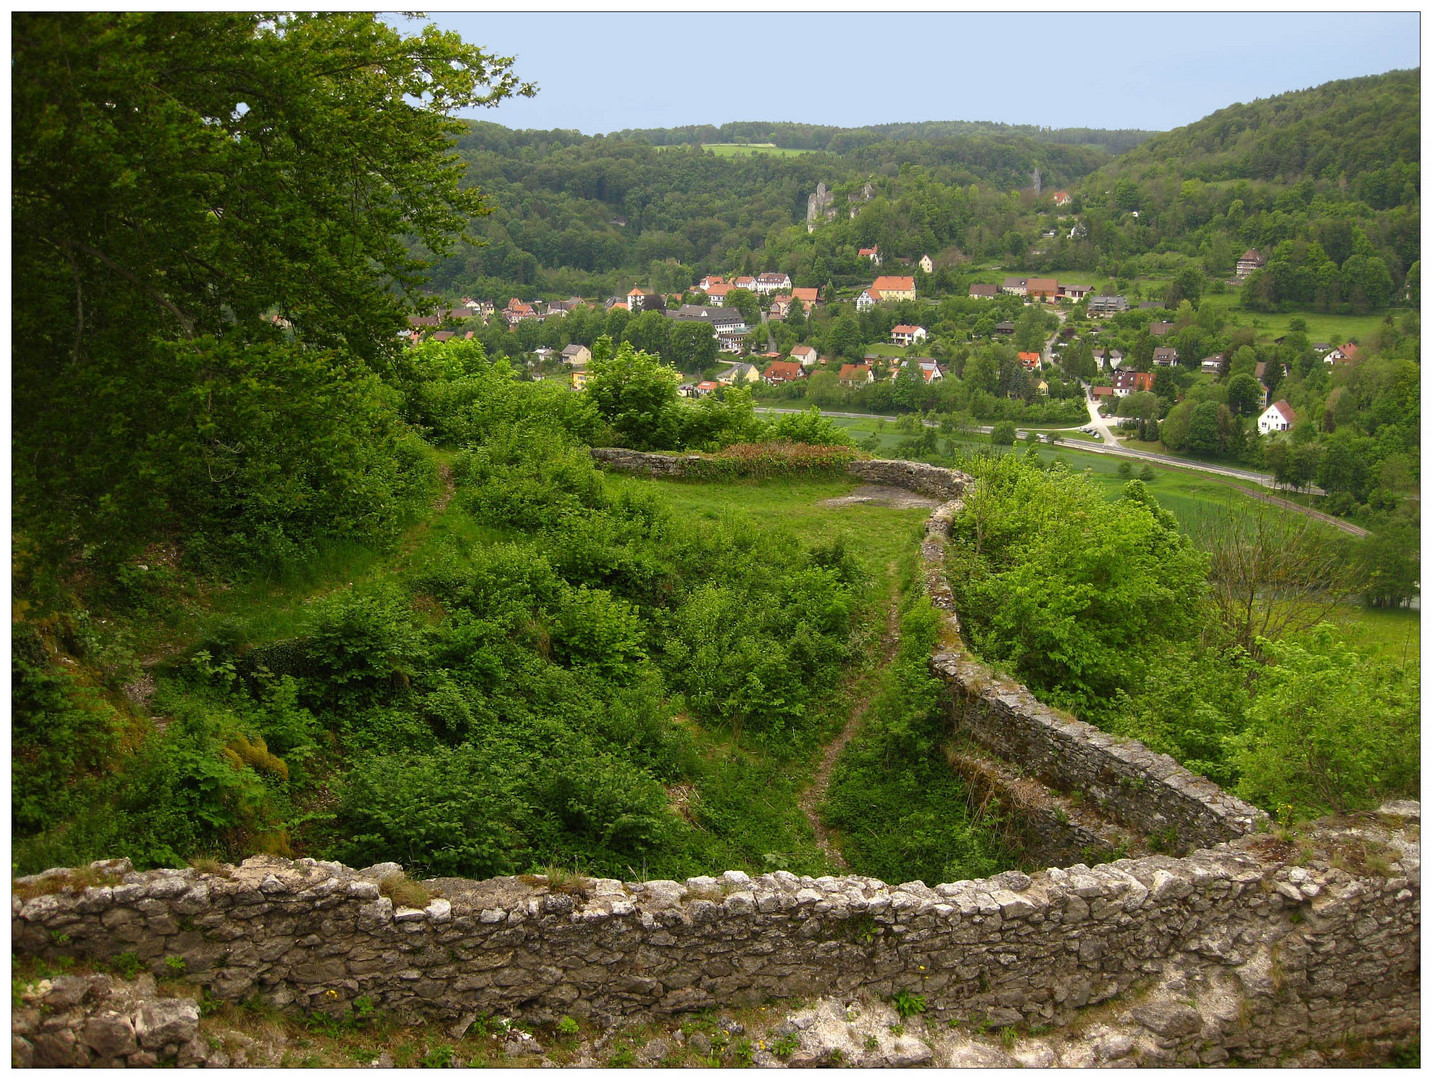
pixel 813 796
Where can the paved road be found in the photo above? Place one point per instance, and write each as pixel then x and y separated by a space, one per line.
pixel 1111 446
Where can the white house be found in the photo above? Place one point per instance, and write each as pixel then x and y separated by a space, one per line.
pixel 927 264
pixel 1276 417
pixel 804 355
pixel 766 284
pixel 907 335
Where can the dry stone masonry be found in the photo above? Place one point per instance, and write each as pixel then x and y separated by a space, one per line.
pixel 1253 946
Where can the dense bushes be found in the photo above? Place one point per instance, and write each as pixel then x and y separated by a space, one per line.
pixel 902 812
pixel 1104 608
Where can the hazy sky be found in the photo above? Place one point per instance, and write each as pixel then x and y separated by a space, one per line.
pixel 601 72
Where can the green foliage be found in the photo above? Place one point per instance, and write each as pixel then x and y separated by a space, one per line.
pixel 1329 730
pixel 809 427
pixel 900 809
pixel 636 394
pixel 908 1004
pixel 162 201
pixel 1074 593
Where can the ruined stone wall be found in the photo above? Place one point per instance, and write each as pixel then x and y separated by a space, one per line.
pixel 1120 777
pixel 1329 947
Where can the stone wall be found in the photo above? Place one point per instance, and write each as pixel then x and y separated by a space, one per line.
pixel 914 476
pixel 1323 948
pixel 1125 780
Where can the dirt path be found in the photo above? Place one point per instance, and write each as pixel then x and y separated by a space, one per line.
pixel 813 796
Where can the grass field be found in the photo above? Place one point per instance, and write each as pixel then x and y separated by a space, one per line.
pixel 737 149
pixel 1333 329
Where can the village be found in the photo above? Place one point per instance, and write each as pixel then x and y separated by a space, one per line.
pixel 745 352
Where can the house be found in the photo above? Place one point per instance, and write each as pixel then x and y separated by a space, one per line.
pixel 1074 292
pixel 716 293
pixel 562 307
pixel 871 253
pixel 745 282
pixel 542 352
pixel 1029 360
pixel 639 300
pixel 1276 417
pixel 855 374
pixel 782 371
pixel 1004 328
pixel 895 288
pixel 930 370
pixel 926 264
pixel 1165 357
pixel 1107 305
pixel 1043 288
pixel 739 373
pixel 442 336
pixel 905 334
pixel 615 302
pixel 1343 354
pixel 706 386
pixel 1102 393
pixel 1250 261
pixel 1014 286
pixel 1113 359
pixel 780 307
pixel 1061 198
pixel 1042 387
pixel 424 322
pixel 579 380
pixel 577 355
pixel 704 285
pixel 808 297
pixel 766 284
pixel 1211 365
pixel 1159 329
pixel 1128 382
pixel 804 355
pixel 516 311
pixel 984 292
pixel 733 339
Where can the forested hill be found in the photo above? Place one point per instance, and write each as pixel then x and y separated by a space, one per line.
pixel 592 214
pixel 839 140
pixel 1361 133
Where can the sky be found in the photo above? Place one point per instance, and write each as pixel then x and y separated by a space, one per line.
pixel 599 72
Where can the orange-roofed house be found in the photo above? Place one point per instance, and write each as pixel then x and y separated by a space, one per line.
pixel 807 297
pixel 1061 198
pixel 1029 360
pixel 886 288
pixel 782 371
pixel 855 374
pixel 871 253
pixel 1042 288
pixel 904 334
pixel 717 293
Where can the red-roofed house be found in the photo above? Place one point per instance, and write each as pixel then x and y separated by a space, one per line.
pixel 905 334
pixel 1029 360
pixel 1344 354
pixel 717 293
pixel 745 281
pixel 807 297
pixel 1127 382
pixel 710 279
pixel 871 253
pixel 1276 417
pixel 855 374
pixel 781 371
pixel 1061 198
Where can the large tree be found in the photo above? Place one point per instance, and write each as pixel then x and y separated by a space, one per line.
pixel 185 179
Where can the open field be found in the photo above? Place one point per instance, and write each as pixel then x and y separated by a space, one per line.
pixel 737 149
pixel 1333 329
